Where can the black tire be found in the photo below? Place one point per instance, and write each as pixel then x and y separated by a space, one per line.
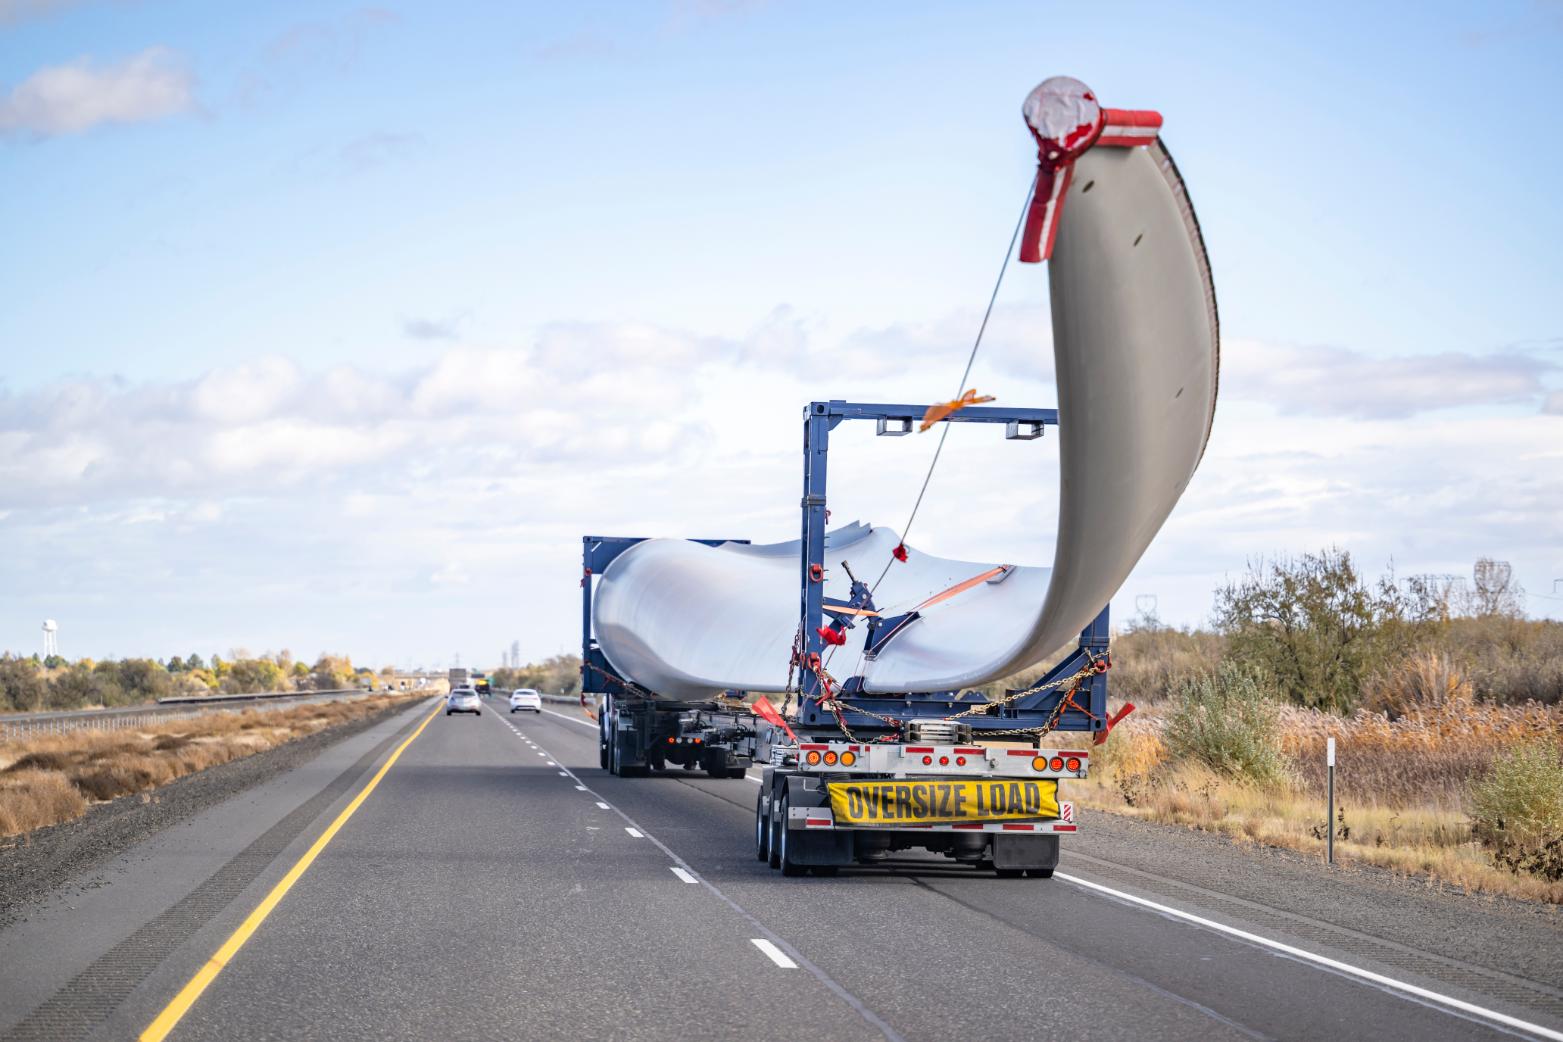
pixel 1009 873
pixel 539 712
pixel 1040 873
pixel 512 709
pixel 788 866
pixel 762 829
pixel 825 870
pixel 773 846
pixel 449 711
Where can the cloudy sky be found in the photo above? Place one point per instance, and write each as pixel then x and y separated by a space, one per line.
pixel 335 327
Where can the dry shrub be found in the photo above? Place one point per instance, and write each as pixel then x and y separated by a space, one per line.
pixel 1422 681
pixel 1432 751
pixel 1227 722
pixel 31 799
pixel 51 778
pixel 1508 659
pixel 1517 810
pixel 1151 663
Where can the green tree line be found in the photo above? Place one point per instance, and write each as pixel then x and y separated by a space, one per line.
pixel 31 684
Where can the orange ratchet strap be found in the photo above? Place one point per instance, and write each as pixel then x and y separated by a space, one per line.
pixel 962 587
pixel 938 412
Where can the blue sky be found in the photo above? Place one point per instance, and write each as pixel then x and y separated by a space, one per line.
pixel 282 286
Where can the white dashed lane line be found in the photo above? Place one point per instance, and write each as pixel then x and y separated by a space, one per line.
pixel 775 948
pixel 773 953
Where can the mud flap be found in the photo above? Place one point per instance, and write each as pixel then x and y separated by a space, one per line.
pixel 1025 851
pixel 821 846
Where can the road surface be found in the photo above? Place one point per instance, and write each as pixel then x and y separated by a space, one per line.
pixel 495 884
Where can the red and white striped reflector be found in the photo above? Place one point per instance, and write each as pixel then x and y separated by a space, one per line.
pixel 1126 128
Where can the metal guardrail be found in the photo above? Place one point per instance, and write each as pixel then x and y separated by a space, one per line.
pixel 24 725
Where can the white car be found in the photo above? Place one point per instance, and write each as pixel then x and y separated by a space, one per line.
pixel 463 700
pixel 526 698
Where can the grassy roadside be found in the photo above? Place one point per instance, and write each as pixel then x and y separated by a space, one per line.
pixel 1407 790
pixel 45 780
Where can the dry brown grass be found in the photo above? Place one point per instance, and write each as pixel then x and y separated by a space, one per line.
pixel 49 779
pixel 1402 787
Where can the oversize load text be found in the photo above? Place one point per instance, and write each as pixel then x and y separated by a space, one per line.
pixel 938 802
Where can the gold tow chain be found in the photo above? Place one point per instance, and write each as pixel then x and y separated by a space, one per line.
pixel 1095 664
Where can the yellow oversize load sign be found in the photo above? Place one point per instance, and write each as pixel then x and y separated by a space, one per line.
pixel 942 802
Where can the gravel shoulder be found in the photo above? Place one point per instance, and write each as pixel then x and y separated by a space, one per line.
pixel 34 865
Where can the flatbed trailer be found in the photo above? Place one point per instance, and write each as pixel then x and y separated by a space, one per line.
pixel 855 777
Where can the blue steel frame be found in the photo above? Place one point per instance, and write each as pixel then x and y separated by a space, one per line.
pixel 1032 711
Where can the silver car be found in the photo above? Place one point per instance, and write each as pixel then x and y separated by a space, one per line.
pixel 463 700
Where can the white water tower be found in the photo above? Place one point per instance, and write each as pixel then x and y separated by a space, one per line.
pixel 51 645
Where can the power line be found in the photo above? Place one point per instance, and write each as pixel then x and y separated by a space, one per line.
pixel 965 375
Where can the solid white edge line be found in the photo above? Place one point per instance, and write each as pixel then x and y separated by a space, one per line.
pixel 578 788
pixel 1320 960
pixel 564 774
pixel 634 832
pixel 773 953
pixel 602 805
pixel 685 876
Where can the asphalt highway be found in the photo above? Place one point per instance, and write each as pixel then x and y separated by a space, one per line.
pixel 494 883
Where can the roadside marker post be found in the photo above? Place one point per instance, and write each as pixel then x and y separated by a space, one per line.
pixel 1329 822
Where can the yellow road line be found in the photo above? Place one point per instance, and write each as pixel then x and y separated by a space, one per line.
pixel 175 1010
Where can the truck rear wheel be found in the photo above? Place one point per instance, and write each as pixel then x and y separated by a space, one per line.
pixel 762 829
pixel 788 866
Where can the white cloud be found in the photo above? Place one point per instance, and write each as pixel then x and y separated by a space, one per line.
pixel 473 477
pixel 75 97
pixel 1334 381
pixel 246 392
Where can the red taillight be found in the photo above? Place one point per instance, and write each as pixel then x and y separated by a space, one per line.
pixel 672 741
pixel 944 761
pixel 697 741
pixel 927 760
pixel 960 761
pixel 1057 763
pixel 830 759
pixel 1073 763
pixel 812 759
